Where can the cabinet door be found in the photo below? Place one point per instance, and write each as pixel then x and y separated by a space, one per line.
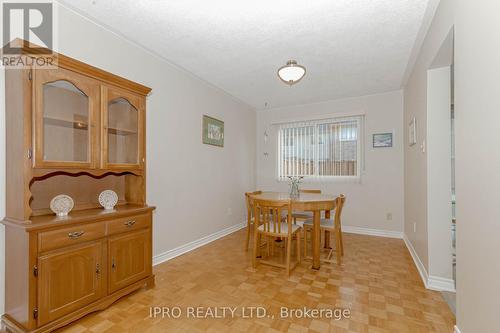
pixel 129 258
pixel 123 129
pixel 69 279
pixel 66 106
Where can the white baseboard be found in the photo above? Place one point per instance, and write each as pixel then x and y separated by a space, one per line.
pixel 457 330
pixel 420 266
pixel 440 284
pixel 431 282
pixel 170 254
pixel 372 232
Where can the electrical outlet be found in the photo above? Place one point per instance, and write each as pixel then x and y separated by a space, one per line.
pixel 414 226
pixel 389 216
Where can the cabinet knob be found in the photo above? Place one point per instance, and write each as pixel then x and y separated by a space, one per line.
pixel 75 234
pixel 97 269
pixel 129 223
pixel 113 264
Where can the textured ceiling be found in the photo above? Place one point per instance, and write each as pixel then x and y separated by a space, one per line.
pixel 349 47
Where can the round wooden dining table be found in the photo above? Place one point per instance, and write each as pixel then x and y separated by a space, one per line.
pixel 310 202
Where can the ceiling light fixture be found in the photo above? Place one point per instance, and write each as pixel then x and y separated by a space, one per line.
pixel 291 73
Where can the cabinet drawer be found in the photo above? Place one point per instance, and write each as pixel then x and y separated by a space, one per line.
pixel 128 224
pixel 49 240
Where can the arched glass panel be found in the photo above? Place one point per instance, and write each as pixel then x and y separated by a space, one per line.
pixel 65 123
pixel 123 139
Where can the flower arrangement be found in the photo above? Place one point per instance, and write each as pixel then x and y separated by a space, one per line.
pixel 294 185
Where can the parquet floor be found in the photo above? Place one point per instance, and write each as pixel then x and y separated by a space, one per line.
pixel 377 282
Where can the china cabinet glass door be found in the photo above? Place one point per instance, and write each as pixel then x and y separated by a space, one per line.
pixel 65 106
pixel 123 129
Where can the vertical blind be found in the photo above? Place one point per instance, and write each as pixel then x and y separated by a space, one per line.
pixel 320 148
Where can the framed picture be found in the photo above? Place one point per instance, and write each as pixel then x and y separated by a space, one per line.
pixel 382 140
pixel 213 131
pixel 412 132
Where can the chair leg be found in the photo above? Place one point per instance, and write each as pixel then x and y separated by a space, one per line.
pixel 285 246
pixel 288 254
pixel 330 253
pixel 248 234
pixel 254 250
pixel 341 243
pixel 299 235
pixel 338 247
pixel 268 241
pixel 327 239
pixel 305 242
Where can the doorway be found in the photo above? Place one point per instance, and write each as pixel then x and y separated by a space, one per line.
pixel 441 172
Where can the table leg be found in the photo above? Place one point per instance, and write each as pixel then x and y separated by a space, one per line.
pixel 327 233
pixel 316 239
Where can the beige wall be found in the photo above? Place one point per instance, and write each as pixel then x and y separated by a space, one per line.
pixel 381 188
pixel 415 105
pixel 191 184
pixel 477 110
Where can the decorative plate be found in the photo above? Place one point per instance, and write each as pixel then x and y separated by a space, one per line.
pixel 61 204
pixel 108 199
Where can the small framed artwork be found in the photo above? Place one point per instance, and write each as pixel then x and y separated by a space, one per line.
pixel 412 132
pixel 213 131
pixel 382 140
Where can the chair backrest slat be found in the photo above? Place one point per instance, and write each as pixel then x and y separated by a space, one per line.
pixel 269 214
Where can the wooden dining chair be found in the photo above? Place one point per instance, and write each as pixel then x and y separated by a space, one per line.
pixel 270 225
pixel 304 215
pixel 331 227
pixel 250 218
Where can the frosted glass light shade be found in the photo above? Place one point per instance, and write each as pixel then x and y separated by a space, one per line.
pixel 291 73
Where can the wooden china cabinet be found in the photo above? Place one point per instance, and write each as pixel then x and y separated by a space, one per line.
pixel 74 130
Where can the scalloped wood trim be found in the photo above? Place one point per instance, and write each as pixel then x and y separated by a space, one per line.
pixel 39 173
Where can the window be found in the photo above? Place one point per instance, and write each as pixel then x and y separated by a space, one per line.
pixel 320 148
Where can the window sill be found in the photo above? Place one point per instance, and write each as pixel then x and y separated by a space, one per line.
pixel 326 179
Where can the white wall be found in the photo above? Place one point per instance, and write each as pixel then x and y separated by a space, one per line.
pixel 2 188
pixel 381 188
pixel 415 105
pixel 191 184
pixel 477 112
pixel 181 170
pixel 439 193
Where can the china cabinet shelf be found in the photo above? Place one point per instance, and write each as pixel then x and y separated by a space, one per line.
pixel 79 125
pixel 121 131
